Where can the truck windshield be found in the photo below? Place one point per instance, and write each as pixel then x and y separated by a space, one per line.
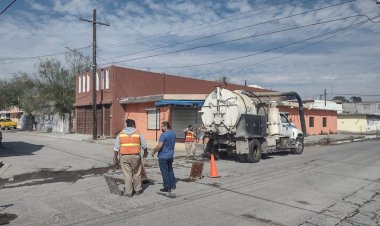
pixel 284 119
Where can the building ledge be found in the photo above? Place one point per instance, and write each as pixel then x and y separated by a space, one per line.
pixel 154 98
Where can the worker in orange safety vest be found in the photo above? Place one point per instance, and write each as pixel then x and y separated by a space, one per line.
pixel 127 150
pixel 190 142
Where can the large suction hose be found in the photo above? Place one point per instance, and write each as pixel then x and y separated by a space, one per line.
pixel 290 95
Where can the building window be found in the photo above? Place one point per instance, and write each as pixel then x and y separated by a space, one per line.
pixel 79 84
pixel 107 79
pixel 153 119
pixel 102 79
pixel 88 83
pixel 97 81
pixel 324 122
pixel 311 121
pixel 84 83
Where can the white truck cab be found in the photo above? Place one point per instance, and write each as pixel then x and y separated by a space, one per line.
pixel 288 128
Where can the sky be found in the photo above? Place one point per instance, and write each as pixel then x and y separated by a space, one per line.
pixel 285 45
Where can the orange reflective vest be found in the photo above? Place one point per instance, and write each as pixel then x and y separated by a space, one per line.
pixel 129 144
pixel 189 137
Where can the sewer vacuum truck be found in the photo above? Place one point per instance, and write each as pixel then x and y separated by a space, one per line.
pixel 250 124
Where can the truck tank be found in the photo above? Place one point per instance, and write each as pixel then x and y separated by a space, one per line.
pixel 223 108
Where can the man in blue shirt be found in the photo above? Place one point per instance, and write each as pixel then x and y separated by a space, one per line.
pixel 165 149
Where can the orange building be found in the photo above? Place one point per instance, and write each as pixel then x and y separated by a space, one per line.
pixel 318 121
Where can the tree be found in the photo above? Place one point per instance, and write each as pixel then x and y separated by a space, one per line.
pixel 3 95
pixel 355 99
pixel 56 85
pixel 77 63
pixel 340 99
pixel 57 81
pixel 22 91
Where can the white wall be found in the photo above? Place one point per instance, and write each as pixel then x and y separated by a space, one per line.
pixel 48 123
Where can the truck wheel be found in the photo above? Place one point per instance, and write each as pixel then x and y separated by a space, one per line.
pixel 254 154
pixel 299 146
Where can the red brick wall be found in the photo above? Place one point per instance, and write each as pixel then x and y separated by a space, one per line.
pixel 126 82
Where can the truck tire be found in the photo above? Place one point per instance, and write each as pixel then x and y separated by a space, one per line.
pixel 299 146
pixel 254 154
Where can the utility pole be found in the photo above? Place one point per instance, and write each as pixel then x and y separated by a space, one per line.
pixel 325 93
pixel 94 23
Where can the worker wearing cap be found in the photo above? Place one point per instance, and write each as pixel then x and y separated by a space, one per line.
pixel 190 142
pixel 128 146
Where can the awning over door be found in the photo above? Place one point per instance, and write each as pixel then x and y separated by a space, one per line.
pixel 180 103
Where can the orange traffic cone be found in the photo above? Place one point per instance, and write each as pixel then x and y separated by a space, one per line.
pixel 213 170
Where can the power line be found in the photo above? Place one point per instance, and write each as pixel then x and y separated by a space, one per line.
pixel 7 7
pixel 356 94
pixel 340 30
pixel 36 57
pixel 55 54
pixel 343 30
pixel 237 39
pixel 232 30
pixel 184 30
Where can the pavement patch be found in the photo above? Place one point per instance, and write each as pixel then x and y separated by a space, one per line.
pixel 261 220
pixel 6 218
pixel 44 176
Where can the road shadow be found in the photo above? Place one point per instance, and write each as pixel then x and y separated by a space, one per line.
pixel 235 157
pixel 273 155
pixel 19 148
pixel 145 183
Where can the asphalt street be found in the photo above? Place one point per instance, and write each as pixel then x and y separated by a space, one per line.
pixel 52 181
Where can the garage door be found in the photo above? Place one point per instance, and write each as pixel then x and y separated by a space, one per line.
pixel 85 122
pixel 181 118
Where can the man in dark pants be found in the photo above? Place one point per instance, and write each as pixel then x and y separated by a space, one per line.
pixel 165 149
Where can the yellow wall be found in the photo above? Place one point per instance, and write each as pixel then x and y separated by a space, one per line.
pixel 352 123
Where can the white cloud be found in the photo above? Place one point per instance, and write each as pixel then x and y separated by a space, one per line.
pixel 37 6
pixel 75 7
pixel 346 62
pixel 239 5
